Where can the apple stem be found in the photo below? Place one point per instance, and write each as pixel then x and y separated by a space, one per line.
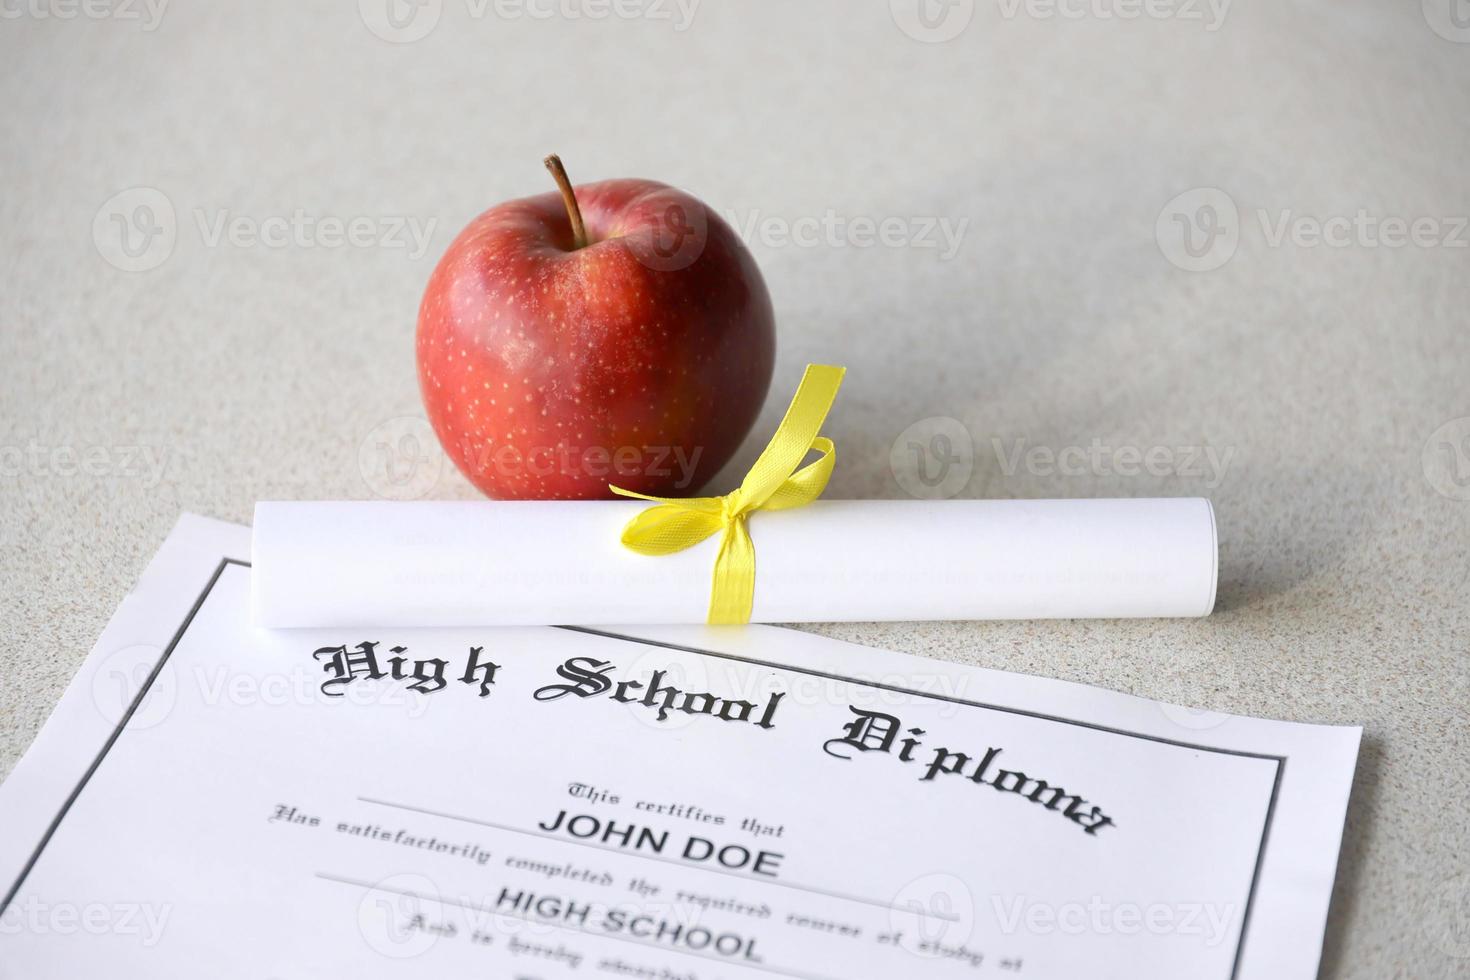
pixel 579 230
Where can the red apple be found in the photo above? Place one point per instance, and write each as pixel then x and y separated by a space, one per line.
pixel 617 332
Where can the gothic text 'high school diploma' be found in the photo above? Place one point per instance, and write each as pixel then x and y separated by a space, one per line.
pixel 531 563
pixel 215 799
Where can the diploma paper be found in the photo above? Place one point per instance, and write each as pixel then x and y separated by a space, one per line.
pixel 517 563
pixel 213 799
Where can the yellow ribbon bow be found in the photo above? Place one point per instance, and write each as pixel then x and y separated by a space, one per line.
pixel 773 483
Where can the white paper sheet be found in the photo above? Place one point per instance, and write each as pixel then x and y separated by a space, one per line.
pixel 544 562
pixel 213 799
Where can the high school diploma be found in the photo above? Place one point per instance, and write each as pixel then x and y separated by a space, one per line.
pixel 215 799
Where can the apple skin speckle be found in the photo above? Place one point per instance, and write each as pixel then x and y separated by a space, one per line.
pixel 640 360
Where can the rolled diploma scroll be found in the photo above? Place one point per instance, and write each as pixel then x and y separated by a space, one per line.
pixel 519 563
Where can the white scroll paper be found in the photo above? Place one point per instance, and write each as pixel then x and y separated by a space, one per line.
pixel 521 563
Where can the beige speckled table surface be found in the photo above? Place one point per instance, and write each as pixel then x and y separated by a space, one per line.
pixel 1181 248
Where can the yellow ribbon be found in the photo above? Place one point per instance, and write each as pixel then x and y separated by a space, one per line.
pixel 773 483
